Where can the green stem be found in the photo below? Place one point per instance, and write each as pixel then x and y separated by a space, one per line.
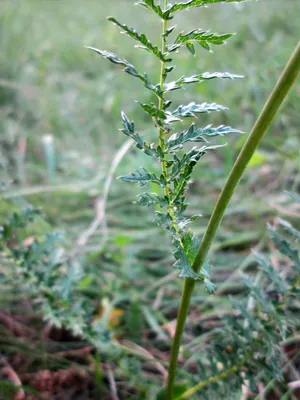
pixel 162 100
pixel 213 379
pixel 161 130
pixel 262 124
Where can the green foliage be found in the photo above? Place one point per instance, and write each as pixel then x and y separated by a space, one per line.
pixel 42 271
pixel 129 68
pixel 191 109
pixel 78 71
pixel 171 9
pixel 197 79
pixel 149 149
pixel 142 178
pixel 205 39
pixel 54 282
pixel 250 342
pixel 176 169
pixel 142 39
pixel 192 134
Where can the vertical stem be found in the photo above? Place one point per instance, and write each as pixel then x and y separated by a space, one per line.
pixel 162 99
pixel 182 314
pixel 161 132
pixel 262 124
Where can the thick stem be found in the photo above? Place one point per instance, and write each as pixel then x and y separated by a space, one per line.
pixel 182 314
pixel 262 124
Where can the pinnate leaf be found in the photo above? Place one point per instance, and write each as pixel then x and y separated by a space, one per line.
pixel 185 257
pixel 193 3
pixel 175 85
pixel 184 169
pixel 165 221
pixel 192 108
pixel 167 14
pixel 148 199
pixel 197 135
pixel 149 149
pixel 153 111
pixel 142 178
pixel 183 263
pixel 205 273
pixel 129 68
pixel 285 247
pixel 141 38
pixel 271 273
pixel 149 4
pixel 205 39
pixel 191 156
pixel 128 126
pixel 290 228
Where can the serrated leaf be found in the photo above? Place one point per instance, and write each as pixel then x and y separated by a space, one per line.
pixel 176 141
pixel 181 173
pixel 142 178
pixel 285 247
pixel 289 228
pixel 141 38
pixel 253 323
pixel 191 245
pixel 148 199
pixel 258 294
pixel 149 4
pixel 191 48
pixel 271 273
pixel 172 47
pixel 128 68
pixel 184 222
pixel 191 109
pixel 205 273
pixel 128 126
pixel 183 264
pixel 179 165
pixel 149 149
pixel 185 257
pixel 201 37
pixel 175 85
pixel 165 221
pixel 169 69
pixel 153 111
pixel 192 3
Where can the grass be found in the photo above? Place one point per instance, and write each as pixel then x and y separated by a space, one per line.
pixel 50 84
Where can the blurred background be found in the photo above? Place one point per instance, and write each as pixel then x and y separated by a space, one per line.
pixel 61 146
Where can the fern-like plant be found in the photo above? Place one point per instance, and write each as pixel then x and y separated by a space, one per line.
pixel 176 168
pixel 251 343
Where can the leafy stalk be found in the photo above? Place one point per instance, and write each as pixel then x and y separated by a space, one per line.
pixel 260 128
pixel 176 170
pixel 161 130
